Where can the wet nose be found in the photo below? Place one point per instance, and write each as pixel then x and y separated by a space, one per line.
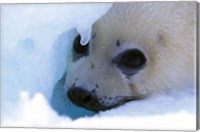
pixel 81 97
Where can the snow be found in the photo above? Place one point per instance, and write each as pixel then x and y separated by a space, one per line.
pixel 35 39
pixel 145 114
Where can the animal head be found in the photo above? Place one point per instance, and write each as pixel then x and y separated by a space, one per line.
pixel 136 49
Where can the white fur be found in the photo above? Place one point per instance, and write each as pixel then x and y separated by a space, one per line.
pixel 164 31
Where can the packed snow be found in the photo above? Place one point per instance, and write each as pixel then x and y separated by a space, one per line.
pixel 34 43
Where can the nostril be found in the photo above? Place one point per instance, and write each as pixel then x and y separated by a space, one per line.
pixel 71 95
pixel 79 96
pixel 87 99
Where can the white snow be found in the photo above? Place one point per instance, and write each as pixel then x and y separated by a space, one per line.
pixel 34 39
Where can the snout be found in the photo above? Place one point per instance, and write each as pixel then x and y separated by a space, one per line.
pixel 83 98
pixel 89 100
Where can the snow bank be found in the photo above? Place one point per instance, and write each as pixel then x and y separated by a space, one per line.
pixel 169 112
pixel 35 38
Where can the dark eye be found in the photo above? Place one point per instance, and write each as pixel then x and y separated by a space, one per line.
pixel 133 59
pixel 130 61
pixel 78 47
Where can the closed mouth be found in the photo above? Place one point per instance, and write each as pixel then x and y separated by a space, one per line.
pixel 96 106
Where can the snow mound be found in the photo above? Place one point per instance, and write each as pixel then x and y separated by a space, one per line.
pixel 155 113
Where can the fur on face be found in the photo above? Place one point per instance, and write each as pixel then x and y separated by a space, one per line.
pixel 136 49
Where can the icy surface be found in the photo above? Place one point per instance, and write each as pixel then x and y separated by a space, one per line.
pixel 35 39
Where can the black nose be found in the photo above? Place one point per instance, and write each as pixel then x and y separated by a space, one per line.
pixel 82 98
